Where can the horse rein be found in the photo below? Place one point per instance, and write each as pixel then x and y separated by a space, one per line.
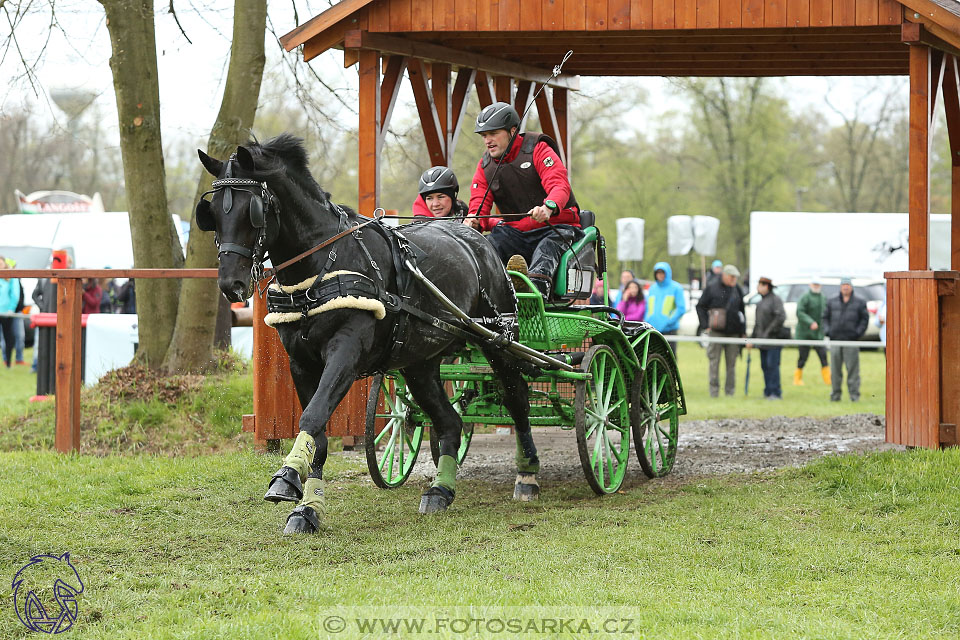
pixel 272 272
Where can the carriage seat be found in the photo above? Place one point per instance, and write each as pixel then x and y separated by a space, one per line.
pixel 575 276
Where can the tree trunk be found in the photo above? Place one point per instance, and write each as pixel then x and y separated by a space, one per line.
pixel 193 338
pixel 155 241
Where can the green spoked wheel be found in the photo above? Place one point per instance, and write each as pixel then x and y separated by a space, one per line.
pixel 391 439
pixel 602 420
pixel 655 417
pixel 460 392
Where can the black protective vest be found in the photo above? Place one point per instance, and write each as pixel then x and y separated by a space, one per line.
pixel 517 187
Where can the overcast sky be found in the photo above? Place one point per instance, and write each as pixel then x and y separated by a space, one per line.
pixel 192 74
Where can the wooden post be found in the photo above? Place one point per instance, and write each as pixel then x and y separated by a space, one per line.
pixel 69 299
pixel 951 107
pixel 368 175
pixel 276 407
pixel 919 187
pixel 563 131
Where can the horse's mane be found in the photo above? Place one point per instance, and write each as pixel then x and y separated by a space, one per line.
pixel 286 155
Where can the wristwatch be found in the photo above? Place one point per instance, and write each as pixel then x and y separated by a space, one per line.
pixel 550 204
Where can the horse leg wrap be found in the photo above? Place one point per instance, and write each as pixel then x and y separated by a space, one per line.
pixel 308 516
pixel 526 463
pixel 301 454
pixel 313 496
pixel 526 487
pixel 446 473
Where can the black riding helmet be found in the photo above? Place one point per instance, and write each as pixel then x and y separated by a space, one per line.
pixel 439 180
pixel 499 115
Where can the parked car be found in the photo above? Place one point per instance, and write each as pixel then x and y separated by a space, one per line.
pixel 790 291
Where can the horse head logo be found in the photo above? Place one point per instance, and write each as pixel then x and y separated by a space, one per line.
pixel 45 593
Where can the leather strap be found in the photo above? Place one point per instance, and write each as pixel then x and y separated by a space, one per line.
pixel 272 271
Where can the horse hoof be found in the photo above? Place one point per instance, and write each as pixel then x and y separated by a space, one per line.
pixel 285 486
pixel 526 488
pixel 436 499
pixel 302 520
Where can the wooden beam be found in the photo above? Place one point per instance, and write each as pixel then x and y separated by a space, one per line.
pixel 389 90
pixel 368 175
pixel 440 88
pixel 918 31
pixel 429 122
pixel 931 12
pixel 503 87
pixel 485 90
pixel 350 58
pixel 919 172
pixel 521 99
pixel 951 108
pixel 458 105
pixel 317 25
pixel 563 130
pixel 68 363
pixel 357 39
pixel 548 120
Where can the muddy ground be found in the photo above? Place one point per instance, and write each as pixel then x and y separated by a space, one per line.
pixel 706 447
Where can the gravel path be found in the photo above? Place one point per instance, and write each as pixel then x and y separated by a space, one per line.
pixel 706 447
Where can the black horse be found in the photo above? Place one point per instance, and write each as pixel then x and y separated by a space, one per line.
pixel 351 309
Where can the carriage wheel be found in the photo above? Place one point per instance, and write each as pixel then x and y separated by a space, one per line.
pixel 458 388
pixel 392 447
pixel 655 417
pixel 602 420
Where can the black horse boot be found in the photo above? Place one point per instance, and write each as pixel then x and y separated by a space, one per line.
pixel 308 515
pixel 286 485
pixel 526 488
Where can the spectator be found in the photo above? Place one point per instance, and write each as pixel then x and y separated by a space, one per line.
pixel 108 301
pixel 596 295
pixel 721 314
pixel 9 298
pixel 881 322
pixel 810 327
pixel 626 276
pixel 128 297
pixel 632 304
pixel 716 270
pixel 845 318
pixel 665 302
pixel 19 335
pixel 769 325
pixel 92 295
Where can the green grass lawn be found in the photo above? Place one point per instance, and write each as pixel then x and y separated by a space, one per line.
pixel 848 547
pixel 811 399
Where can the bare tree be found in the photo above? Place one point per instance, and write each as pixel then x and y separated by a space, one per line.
pixel 199 299
pixel 155 240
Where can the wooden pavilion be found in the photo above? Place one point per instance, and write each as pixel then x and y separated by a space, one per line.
pixel 504 49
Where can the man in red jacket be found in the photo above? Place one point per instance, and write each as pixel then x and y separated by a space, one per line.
pixel 530 187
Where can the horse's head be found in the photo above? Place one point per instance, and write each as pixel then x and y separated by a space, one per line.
pixel 243 213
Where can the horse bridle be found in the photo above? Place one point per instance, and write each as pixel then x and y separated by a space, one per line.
pixel 261 204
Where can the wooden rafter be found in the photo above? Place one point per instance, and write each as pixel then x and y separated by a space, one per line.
pixel 548 121
pixel 440 88
pixel 503 88
pixel 320 23
pixel 389 89
pixel 485 91
pixel 458 104
pixel 358 39
pixel 521 99
pixel 560 114
pixel 429 121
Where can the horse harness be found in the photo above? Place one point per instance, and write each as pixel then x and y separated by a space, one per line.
pixel 330 285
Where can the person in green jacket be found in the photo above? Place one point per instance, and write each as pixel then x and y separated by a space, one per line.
pixel 809 318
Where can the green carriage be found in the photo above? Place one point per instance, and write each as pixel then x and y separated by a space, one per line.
pixel 611 380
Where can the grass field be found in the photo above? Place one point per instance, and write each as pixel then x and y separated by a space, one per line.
pixel 848 547
pixel 811 399
pixel 181 545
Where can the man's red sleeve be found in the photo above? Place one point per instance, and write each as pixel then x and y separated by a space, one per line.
pixel 553 175
pixel 420 208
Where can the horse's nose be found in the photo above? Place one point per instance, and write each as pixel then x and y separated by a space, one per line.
pixel 233 290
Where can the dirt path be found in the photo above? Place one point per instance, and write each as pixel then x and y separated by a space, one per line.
pixel 706 447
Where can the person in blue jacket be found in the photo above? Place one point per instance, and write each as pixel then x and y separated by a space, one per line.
pixel 665 302
pixel 9 298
